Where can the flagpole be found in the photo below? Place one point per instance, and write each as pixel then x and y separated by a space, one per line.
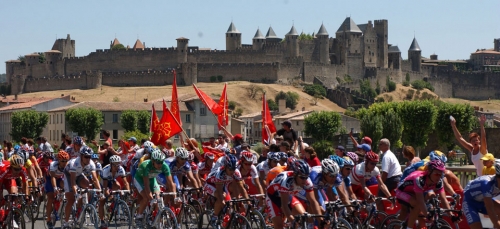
pixel 205 102
pixel 183 131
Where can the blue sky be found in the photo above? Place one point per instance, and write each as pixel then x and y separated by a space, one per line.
pixel 451 29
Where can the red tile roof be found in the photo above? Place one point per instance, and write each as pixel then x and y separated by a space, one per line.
pixel 23 105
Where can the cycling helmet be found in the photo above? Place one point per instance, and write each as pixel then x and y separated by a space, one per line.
pixel 497 168
pixel 247 156
pixel 86 151
pixel 272 156
pixel 437 155
pixel 330 167
pixel 22 153
pixel 115 159
pixel 353 156
pixel 230 161
pixel 282 155
pixel 348 162
pixel 95 156
pixel 371 156
pixel 16 161
pixel 181 152
pixel 17 147
pixel 78 140
pixel 62 155
pixel 157 155
pixel 191 156
pixel 338 160
pixel 436 164
pixel 300 167
pixel 209 155
pixel 149 146
pixel 47 154
pixel 227 151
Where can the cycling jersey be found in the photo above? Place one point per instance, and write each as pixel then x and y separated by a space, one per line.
pixel 54 167
pixel 108 175
pixel 218 163
pixel 7 174
pixel 249 177
pixel 416 183
pixel 412 168
pixel 474 194
pixel 359 172
pixel 179 171
pixel 59 174
pixel 72 152
pixel 147 169
pixel 219 176
pixel 252 172
pixel 203 168
pixel 75 166
pixel 263 167
pixel 284 183
pixel 274 172
pixel 44 166
pixel 194 167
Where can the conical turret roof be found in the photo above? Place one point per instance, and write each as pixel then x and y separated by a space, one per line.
pixel 349 26
pixel 258 35
pixel 115 42
pixel 271 33
pixel 322 31
pixel 393 49
pixel 232 29
pixel 414 45
pixel 293 32
pixel 138 45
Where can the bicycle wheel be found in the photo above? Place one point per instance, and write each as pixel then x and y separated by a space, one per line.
pixel 378 218
pixel 395 224
pixel 17 216
pixel 121 215
pixel 88 218
pixel 353 221
pixel 166 219
pixel 387 220
pixel 256 220
pixel 204 220
pixel 27 213
pixel 442 224
pixel 188 218
pixel 35 207
pixel 341 224
pixel 239 222
pixel 196 204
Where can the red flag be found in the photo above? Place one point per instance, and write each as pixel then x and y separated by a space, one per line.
pixel 209 102
pixel 167 127
pixel 174 104
pixel 155 122
pixel 223 118
pixel 266 119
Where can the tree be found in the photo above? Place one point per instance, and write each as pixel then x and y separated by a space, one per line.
pixel 315 89
pixel 323 149
pixel 316 98
pixel 465 120
pixel 273 106
pixel 213 79
pixel 366 89
pixel 136 133
pixel 85 121
pixel 420 84
pixel 292 98
pixel 392 127
pixel 322 125
pixel 118 47
pixel 377 88
pixel 143 121
pixel 231 105
pixel 41 57
pixel 418 119
pixel 350 112
pixel 219 78
pixel 371 125
pixel 391 85
pixel 238 112
pixel 128 120
pixel 28 124
pixel 253 90
pixel 22 59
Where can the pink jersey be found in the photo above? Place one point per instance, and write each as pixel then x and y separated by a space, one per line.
pixel 415 183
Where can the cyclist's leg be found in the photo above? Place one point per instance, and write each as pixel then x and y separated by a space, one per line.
pixel 70 197
pixel 471 210
pixel 146 195
pixel 273 205
pixel 49 191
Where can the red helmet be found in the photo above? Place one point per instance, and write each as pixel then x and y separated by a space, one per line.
pixel 371 156
pixel 246 156
pixel 62 155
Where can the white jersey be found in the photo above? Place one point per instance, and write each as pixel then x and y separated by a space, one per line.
pixel 75 166
pixel 219 163
pixel 359 172
pixel 108 175
pixel 54 167
pixel 251 173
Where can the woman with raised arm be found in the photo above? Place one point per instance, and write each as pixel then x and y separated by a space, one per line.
pixel 477 144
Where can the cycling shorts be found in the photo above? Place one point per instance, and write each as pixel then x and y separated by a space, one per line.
pixel 153 185
pixel 273 204
pixel 48 184
pixel 472 209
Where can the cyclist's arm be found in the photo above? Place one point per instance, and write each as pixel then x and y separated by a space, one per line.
pixel 342 194
pixel 126 184
pixel 256 181
pixel 447 186
pixel 419 196
pixel 73 180
pixel 53 180
pixel 490 209
pixel 37 167
pixel 314 204
pixel 105 186
pixel 190 176
pixel 242 189
pixel 366 189
pixel 170 184
pixel 443 200
pixel 25 187
pixel 285 199
pixel 262 179
pixel 381 186
pixel 96 181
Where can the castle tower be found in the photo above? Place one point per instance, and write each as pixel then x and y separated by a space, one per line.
pixel 415 56
pixel 324 45
pixel 258 40
pixel 496 44
pixel 382 30
pixel 182 49
pixel 113 43
pixel 292 42
pixel 233 38
pixel 65 46
pixel 139 45
pixel 271 36
pixel 349 38
pixel 52 60
pixel 394 57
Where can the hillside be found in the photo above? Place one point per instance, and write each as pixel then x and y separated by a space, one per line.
pixel 487 105
pixel 236 92
pixel 403 93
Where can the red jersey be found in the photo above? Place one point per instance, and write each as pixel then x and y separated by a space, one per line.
pixel 44 166
pixel 7 174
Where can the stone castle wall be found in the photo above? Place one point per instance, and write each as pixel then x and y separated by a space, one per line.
pixel 246 72
pixel 87 80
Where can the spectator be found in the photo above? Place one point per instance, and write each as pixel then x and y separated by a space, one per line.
pixel 222 143
pixel 364 140
pixel 107 138
pixel 237 141
pixel 391 169
pixel 46 147
pixel 364 148
pixel 278 139
pixel 169 149
pixel 274 148
pixel 409 153
pixel 263 156
pixel 488 161
pixel 340 151
pixel 290 134
pixel 311 157
pixel 477 144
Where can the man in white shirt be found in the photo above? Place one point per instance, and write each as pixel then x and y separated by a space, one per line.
pixel 391 169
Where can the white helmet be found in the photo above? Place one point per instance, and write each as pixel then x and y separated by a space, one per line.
pixel 115 159
pixel 181 152
pixel 330 167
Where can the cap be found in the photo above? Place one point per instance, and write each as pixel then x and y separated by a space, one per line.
pixel 340 148
pixel 488 157
pixel 278 137
pixel 287 122
pixel 367 140
pixel 237 137
pixel 133 139
pixel 365 147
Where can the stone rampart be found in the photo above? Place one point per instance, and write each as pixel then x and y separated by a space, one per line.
pixel 86 80
pixel 138 78
pixel 287 71
pixel 235 71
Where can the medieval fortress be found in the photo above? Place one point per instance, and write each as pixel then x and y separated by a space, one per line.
pixel 356 52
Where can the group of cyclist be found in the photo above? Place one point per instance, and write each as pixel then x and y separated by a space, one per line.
pixel 290 183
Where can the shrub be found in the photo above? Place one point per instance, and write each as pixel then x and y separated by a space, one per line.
pixel 213 78
pixel 392 86
pixel 406 83
pixel 420 84
pixel 219 78
pixel 315 89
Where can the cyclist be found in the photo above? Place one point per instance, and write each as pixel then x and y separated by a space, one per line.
pixel 77 174
pixel 28 165
pixel 98 166
pixel 180 167
pixel 281 200
pixel 218 183
pixel 74 149
pixel 365 177
pixel 345 168
pixel 265 166
pixel 205 166
pixel 249 173
pixel 12 170
pixel 145 181
pixel 279 169
pixel 53 181
pixel 410 193
pixel 113 179
pixel 194 169
pixel 478 198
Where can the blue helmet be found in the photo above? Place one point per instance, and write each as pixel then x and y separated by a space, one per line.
pixel 230 161
pixel 282 155
pixel 86 151
pixel 301 167
pixel 340 161
pixel 435 156
pixel 95 156
pixel 226 150
pixel 17 147
pixel 348 162
pixel 273 156
pixel 78 140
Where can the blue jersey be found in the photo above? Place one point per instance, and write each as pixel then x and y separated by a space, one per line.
pixel 412 168
pixel 481 187
pixel 179 171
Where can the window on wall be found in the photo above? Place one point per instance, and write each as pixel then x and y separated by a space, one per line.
pixel 103 118
pixel 57 118
pixel 50 135
pixel 115 134
pixel 50 120
pixel 115 118
pixel 203 111
pixel 62 120
pixel 188 118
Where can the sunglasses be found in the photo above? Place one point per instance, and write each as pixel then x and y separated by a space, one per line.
pixel 63 161
pixel 248 163
pixel 348 168
pixel 158 162
pixel 115 165
pixel 17 169
pixel 303 177
pixel 88 157
pixel 182 159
